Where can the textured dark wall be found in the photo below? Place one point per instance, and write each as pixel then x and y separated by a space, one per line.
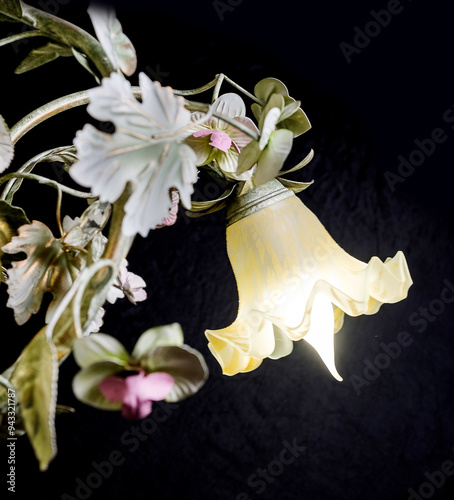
pixel 228 441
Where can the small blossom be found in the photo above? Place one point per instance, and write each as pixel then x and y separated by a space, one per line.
pixel 215 139
pixel 137 392
pixel 160 367
pixel 127 285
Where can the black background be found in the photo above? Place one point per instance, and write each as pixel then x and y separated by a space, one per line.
pixel 365 113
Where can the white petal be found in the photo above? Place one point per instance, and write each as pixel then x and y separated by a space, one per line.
pixel 230 104
pixel 150 202
pixel 6 146
pixel 115 43
pixel 269 126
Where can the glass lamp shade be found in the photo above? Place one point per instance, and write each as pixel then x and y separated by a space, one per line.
pixel 294 282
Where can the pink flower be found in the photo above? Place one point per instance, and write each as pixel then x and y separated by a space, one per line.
pixel 127 285
pixel 137 392
pixel 219 139
pixel 216 139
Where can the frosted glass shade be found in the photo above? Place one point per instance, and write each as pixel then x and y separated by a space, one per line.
pixel 295 282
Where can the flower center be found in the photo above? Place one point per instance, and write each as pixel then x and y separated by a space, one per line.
pixel 219 139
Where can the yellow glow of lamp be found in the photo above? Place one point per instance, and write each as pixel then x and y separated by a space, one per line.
pixel 294 282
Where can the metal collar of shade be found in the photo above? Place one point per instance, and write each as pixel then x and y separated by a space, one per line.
pixel 256 199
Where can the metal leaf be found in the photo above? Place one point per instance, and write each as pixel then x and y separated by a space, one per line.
pixel 47 268
pixel 90 224
pixel 35 379
pixel 145 151
pixel 86 384
pixel 273 156
pixel 186 365
pixel 6 146
pixel 11 7
pixel 165 335
pixel 301 164
pixel 115 43
pixel 65 154
pixel 99 347
pixel 86 63
pixel 42 55
pixel 295 186
pixel 210 206
pixel 11 219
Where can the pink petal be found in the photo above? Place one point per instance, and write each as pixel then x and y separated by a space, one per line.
pixel 137 410
pixel 113 388
pixel 200 133
pixel 135 281
pixel 139 295
pixel 141 390
pixel 220 140
pixel 155 386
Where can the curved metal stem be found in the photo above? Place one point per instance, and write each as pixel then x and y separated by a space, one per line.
pixel 46 181
pixel 81 98
pixel 68 34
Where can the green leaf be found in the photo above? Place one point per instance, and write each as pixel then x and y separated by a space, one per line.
pixel 268 86
pixel 295 186
pixel 273 156
pixel 35 379
pixel 7 19
pixel 42 55
pixel 301 164
pixel 85 62
pixel 293 117
pixel 6 146
pixel 211 205
pixel 248 157
pixel 186 365
pixel 167 335
pixel 99 347
pixel 11 7
pixel 86 381
pixel 289 108
pixel 298 123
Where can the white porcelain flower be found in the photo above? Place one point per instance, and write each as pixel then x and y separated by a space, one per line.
pixel 146 150
pixel 215 139
pixel 295 282
pixel 127 285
